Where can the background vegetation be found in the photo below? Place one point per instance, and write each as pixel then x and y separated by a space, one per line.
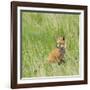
pixel 38 40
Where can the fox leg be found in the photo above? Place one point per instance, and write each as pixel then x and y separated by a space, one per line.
pixel 61 61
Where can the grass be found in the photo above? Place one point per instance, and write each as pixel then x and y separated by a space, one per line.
pixel 39 31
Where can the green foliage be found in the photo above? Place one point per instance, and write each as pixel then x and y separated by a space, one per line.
pixel 39 32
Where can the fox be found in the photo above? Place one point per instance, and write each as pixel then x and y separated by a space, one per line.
pixel 57 54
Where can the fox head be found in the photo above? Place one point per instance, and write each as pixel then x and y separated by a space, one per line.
pixel 60 42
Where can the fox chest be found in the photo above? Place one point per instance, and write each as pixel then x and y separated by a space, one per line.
pixel 58 53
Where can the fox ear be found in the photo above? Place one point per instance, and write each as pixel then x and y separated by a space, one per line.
pixel 63 38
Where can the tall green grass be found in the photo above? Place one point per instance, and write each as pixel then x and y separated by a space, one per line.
pixel 39 31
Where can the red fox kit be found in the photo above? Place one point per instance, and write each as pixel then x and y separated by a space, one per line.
pixel 57 54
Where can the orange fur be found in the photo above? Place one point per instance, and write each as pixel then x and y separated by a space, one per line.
pixel 56 55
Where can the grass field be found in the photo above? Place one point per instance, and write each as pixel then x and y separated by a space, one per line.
pixel 38 40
